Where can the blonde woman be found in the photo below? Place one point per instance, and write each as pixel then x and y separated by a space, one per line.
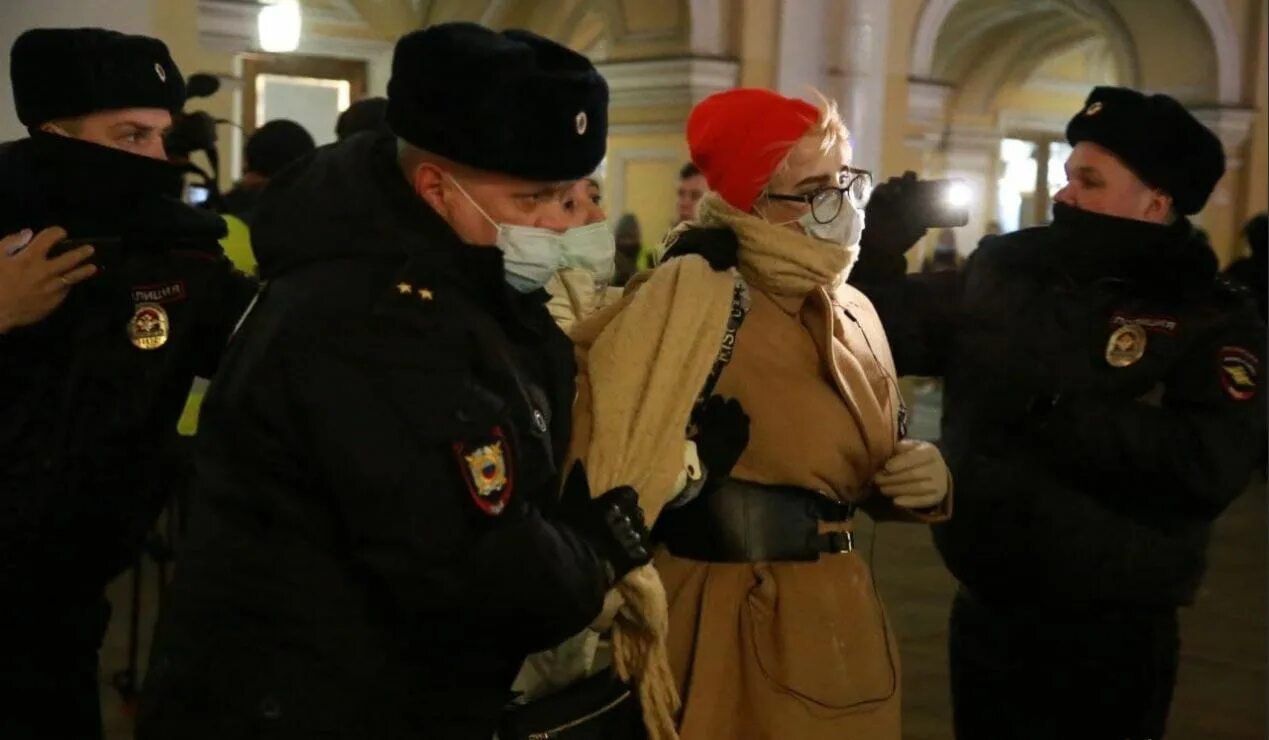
pixel 775 630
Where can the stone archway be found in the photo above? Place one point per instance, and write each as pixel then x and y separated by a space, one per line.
pixel 1226 44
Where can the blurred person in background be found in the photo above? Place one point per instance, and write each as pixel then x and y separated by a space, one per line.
pixel 1252 271
pixel 367 114
pixel 631 256
pixel 944 257
pixel 269 150
pixel 692 187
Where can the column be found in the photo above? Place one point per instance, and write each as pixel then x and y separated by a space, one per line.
pixel 802 54
pixel 857 75
pixel 1221 218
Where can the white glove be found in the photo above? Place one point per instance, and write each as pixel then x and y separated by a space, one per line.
pixel 915 477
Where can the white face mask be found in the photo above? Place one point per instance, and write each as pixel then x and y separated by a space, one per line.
pixel 531 255
pixel 846 228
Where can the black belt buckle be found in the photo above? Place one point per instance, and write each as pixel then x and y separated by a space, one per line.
pixel 840 543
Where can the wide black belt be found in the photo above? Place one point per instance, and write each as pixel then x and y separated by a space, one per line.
pixel 740 522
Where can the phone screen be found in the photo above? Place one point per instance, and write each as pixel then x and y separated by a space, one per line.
pixel 942 203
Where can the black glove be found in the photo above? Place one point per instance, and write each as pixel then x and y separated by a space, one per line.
pixel 612 524
pixel 722 435
pixel 717 245
pixel 889 229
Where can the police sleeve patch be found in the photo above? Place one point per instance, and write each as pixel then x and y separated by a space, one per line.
pixel 1239 371
pixel 485 467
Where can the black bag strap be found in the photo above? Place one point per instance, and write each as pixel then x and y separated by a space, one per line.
pixel 740 303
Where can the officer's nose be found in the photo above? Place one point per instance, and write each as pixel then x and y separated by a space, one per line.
pixel 153 149
pixel 1065 196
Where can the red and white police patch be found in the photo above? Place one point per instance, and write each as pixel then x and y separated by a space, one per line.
pixel 1240 371
pixel 485 467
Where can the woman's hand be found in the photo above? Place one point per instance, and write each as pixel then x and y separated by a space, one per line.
pixel 915 477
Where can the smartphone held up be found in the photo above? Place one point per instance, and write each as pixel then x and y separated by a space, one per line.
pixel 940 203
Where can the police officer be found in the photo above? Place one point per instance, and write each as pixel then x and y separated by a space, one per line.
pixel 377 540
pixel 1101 408
pixel 95 360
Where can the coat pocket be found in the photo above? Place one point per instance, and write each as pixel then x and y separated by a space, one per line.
pixel 819 632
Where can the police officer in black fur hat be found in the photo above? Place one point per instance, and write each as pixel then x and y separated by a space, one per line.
pixel 97 352
pixel 1102 407
pixel 377 540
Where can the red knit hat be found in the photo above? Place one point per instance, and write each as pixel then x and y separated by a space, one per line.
pixel 738 137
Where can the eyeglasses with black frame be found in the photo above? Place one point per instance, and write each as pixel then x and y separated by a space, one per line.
pixel 826 202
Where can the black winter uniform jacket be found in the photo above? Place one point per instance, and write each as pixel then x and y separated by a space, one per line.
pixel 1089 458
pixel 90 396
pixel 370 552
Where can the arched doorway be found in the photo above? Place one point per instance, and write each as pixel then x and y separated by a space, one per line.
pixel 999 79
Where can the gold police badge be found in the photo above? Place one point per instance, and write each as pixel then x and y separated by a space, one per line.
pixel 1127 345
pixel 149 326
pixel 487 473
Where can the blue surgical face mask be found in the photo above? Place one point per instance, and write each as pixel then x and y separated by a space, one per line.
pixel 591 248
pixel 531 255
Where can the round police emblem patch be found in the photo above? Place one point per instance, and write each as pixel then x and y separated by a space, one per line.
pixel 1127 345
pixel 149 326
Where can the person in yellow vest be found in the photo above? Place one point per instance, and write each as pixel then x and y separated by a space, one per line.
pixel 237 246
pixel 632 257
pixel 270 149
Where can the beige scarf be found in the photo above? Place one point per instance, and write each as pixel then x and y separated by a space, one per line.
pixel 641 365
pixel 776 259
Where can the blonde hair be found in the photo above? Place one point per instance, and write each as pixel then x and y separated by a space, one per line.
pixel 829 127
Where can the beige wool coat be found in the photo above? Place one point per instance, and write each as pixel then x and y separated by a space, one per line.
pixel 782 651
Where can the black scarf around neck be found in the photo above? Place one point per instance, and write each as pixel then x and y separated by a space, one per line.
pixel 94 191
pixel 1170 259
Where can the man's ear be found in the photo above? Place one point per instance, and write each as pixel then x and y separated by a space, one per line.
pixel 1159 207
pixel 53 128
pixel 429 184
